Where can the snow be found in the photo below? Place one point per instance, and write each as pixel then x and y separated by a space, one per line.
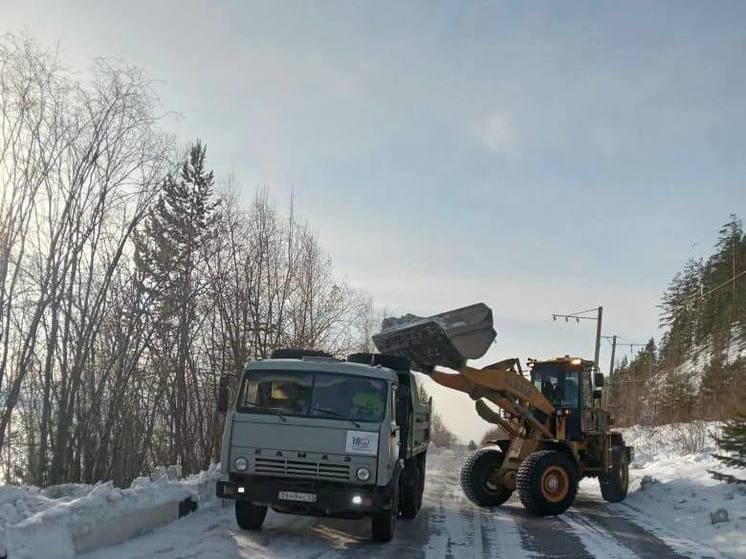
pixel 701 356
pixel 672 499
pixel 673 495
pixel 44 522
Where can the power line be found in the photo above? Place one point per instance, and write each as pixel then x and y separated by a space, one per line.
pixel 578 317
pixel 734 278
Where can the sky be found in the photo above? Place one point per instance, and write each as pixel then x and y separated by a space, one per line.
pixel 540 157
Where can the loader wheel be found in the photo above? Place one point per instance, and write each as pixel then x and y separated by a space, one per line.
pixel 547 482
pixel 614 484
pixel 250 516
pixel 478 478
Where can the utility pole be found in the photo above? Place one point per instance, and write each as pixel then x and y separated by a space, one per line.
pixel 598 336
pixel 578 316
pixel 613 354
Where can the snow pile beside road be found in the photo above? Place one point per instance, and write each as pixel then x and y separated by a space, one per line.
pixel 672 493
pixel 63 520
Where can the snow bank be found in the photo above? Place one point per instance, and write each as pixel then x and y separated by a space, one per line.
pixel 63 520
pixel 672 493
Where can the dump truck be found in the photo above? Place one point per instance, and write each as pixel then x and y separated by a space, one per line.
pixel 312 435
pixel 555 429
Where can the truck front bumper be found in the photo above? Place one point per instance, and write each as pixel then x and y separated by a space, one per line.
pixel 331 499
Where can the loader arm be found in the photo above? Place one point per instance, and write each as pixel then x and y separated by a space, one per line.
pixel 448 340
pixel 504 386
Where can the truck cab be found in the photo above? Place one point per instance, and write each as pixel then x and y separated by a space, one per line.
pixel 309 434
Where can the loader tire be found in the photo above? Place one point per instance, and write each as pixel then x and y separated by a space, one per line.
pixel 477 478
pixel 614 485
pixel 547 482
pixel 250 516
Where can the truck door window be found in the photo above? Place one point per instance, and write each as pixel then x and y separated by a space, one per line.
pixel 285 392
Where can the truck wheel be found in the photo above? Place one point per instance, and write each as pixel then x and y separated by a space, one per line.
pixel 384 522
pixel 614 484
pixel 411 493
pixel 477 478
pixel 421 487
pixel 250 516
pixel 547 482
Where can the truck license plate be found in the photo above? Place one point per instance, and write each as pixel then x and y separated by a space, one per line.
pixel 293 496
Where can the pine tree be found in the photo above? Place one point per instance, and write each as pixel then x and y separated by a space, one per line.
pixel 733 441
pixel 168 256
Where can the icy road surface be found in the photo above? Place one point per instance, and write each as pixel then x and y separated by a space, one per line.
pixel 448 526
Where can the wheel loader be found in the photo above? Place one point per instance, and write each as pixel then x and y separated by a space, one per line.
pixel 555 430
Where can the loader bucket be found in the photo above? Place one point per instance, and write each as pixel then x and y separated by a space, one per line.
pixel 447 339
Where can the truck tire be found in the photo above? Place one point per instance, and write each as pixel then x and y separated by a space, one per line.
pixel 384 522
pixel 547 482
pixel 476 474
pixel 250 516
pixel 411 488
pixel 422 459
pixel 614 485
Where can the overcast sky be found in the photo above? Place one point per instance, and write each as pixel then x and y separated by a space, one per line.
pixel 538 157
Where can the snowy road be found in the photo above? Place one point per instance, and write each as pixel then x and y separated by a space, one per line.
pixel 448 526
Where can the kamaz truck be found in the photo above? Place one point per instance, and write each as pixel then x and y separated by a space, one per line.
pixel 312 435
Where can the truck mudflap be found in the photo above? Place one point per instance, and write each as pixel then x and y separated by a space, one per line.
pixel 447 339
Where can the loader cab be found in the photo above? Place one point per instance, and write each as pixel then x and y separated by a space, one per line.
pixel 566 383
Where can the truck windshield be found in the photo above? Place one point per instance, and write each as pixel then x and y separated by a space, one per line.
pixel 303 393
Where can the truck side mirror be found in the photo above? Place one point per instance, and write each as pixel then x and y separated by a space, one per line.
pixel 223 393
pixel 598 380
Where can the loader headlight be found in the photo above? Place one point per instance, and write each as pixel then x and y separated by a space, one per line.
pixel 241 464
pixel 363 474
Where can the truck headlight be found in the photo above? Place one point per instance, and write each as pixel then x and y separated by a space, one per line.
pixel 363 474
pixel 241 464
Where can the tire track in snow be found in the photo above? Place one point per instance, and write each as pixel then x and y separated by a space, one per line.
pixel 459 529
pixel 546 537
pixel 681 545
pixel 596 541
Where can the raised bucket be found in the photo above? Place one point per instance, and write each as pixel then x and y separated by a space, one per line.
pixel 447 339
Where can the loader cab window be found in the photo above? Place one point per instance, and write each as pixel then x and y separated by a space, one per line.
pixel 560 387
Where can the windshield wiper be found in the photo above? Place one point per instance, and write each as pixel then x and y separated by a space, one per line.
pixel 335 413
